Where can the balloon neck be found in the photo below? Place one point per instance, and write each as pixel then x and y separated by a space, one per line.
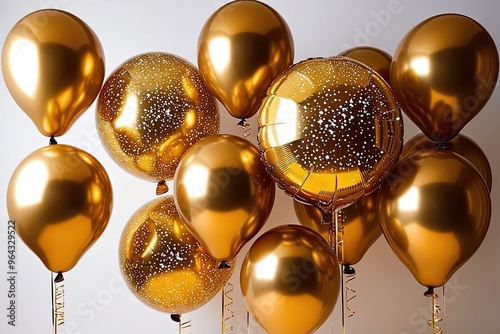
pixel 224 265
pixel 441 145
pixel 59 278
pixel 429 292
pixel 52 141
pixel 161 188
pixel 243 122
pixel 175 317
pixel 348 270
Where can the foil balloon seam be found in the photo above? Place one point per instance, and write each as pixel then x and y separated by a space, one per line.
pixel 227 302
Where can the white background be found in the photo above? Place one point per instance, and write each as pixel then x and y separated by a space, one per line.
pixel 388 300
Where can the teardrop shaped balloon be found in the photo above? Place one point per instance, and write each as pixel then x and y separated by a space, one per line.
pixel 61 200
pixel 435 210
pixel 375 58
pixel 223 193
pixel 443 73
pixel 290 280
pixel 53 66
pixel 359 221
pixel 461 144
pixel 330 130
pixel 163 264
pixel 242 47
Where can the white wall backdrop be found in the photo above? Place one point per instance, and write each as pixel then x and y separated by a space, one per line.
pixel 388 300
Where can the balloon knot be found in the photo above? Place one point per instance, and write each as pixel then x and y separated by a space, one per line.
pixel 243 122
pixel 326 218
pixel 224 265
pixel 52 141
pixel 175 317
pixel 59 278
pixel 161 188
pixel 441 145
pixel 429 292
pixel 348 270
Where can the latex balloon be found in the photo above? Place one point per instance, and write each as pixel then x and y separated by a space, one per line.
pixel 151 109
pixel 53 66
pixel 164 265
pixel 359 221
pixel 242 47
pixel 330 130
pixel 290 280
pixel 223 193
pixel 434 210
pixel 377 59
pixel 461 144
pixel 443 73
pixel 61 200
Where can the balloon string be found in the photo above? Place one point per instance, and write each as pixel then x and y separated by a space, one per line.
pixel 436 312
pixel 349 276
pixel 247 130
pixel 183 325
pixel 57 289
pixel 248 322
pixel 227 312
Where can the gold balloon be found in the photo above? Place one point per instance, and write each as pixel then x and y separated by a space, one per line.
pixel 53 66
pixel 434 210
pixel 359 221
pixel 461 144
pixel 290 280
pixel 443 72
pixel 223 193
pixel 151 109
pixel 330 130
pixel 242 47
pixel 61 200
pixel 377 59
pixel 163 264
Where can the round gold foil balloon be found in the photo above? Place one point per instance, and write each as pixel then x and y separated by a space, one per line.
pixel 290 280
pixel 461 144
pixel 242 47
pixel 53 66
pixel 151 109
pixel 434 210
pixel 330 130
pixel 163 264
pixel 377 59
pixel 223 193
pixel 443 72
pixel 61 200
pixel 359 221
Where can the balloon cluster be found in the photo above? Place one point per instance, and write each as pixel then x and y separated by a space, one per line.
pixel 330 135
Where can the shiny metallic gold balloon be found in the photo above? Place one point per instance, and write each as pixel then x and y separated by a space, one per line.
pixel 290 280
pixel 434 210
pixel 242 47
pixel 461 144
pixel 163 264
pixel 53 66
pixel 151 109
pixel 377 59
pixel 443 73
pixel 330 130
pixel 359 221
pixel 223 193
pixel 61 200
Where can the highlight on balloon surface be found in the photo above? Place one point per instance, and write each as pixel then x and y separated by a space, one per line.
pixel 375 58
pixel 290 280
pixel 461 144
pixel 163 264
pixel 359 222
pixel 434 210
pixel 443 73
pixel 223 193
pixel 151 109
pixel 54 70
pixel 242 47
pixel 330 130
pixel 61 200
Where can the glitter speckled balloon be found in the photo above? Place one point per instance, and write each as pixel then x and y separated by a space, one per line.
pixel 164 265
pixel 330 130
pixel 151 110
